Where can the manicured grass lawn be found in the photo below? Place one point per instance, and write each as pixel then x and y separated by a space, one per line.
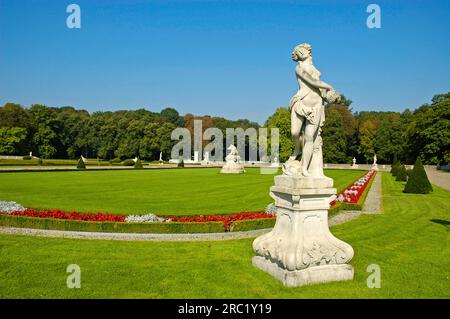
pixel 409 241
pixel 159 191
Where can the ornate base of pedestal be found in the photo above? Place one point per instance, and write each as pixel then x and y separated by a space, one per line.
pixel 308 276
pixel 300 249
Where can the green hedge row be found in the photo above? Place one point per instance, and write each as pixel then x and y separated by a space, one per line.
pixel 252 224
pixel 110 227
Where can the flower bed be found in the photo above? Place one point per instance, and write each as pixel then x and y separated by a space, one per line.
pixel 226 220
pixel 350 198
pixel 353 193
pixel 59 214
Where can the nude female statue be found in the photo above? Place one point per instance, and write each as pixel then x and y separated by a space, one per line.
pixel 308 113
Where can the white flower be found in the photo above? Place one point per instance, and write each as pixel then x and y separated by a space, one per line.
pixel 149 218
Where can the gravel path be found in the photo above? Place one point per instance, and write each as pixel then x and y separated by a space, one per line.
pixel 439 178
pixel 372 205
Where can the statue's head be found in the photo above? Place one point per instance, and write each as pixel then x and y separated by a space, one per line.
pixel 302 52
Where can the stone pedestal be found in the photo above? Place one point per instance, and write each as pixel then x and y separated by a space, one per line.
pixel 232 168
pixel 301 250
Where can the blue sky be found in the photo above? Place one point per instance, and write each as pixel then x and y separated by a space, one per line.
pixel 222 58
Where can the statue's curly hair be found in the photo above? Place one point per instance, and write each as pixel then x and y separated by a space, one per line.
pixel 305 46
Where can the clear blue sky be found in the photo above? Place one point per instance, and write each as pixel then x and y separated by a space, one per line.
pixel 222 58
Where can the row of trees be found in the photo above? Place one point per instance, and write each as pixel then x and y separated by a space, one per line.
pixel 68 133
pixel 424 133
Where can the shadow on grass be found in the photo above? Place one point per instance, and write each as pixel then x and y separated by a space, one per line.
pixel 442 222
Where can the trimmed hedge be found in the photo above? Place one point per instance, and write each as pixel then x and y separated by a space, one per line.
pixel 128 162
pixel 138 164
pixel 418 182
pixel 116 160
pixel 110 227
pixel 80 164
pixel 402 176
pixel 252 224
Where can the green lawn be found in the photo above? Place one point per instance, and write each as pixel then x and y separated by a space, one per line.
pixel 159 191
pixel 409 241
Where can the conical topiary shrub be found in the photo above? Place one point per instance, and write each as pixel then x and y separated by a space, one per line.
pixel 181 163
pixel 395 165
pixel 418 182
pixel 395 168
pixel 401 174
pixel 138 164
pixel 80 164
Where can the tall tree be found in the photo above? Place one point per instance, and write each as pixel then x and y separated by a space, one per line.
pixel 46 127
pixel 334 141
pixel 281 119
pixel 11 140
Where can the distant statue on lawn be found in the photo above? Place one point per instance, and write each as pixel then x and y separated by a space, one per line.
pixel 375 165
pixel 308 116
pixel 233 162
pixel 354 165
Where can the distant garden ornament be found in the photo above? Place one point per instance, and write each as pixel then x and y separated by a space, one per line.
pixel 300 249
pixel 233 163
pixel 354 165
pixel 375 165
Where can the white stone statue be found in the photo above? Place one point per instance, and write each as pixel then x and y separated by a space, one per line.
pixel 307 115
pixel 354 165
pixel 135 159
pixel 160 157
pixel 300 249
pixel 84 159
pixel 375 165
pixel 233 163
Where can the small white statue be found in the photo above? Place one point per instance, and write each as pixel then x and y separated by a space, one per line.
pixel 375 165
pixel 354 165
pixel 83 159
pixel 160 157
pixel 233 162
pixel 135 159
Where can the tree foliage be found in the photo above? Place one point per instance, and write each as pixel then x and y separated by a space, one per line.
pixel 67 132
